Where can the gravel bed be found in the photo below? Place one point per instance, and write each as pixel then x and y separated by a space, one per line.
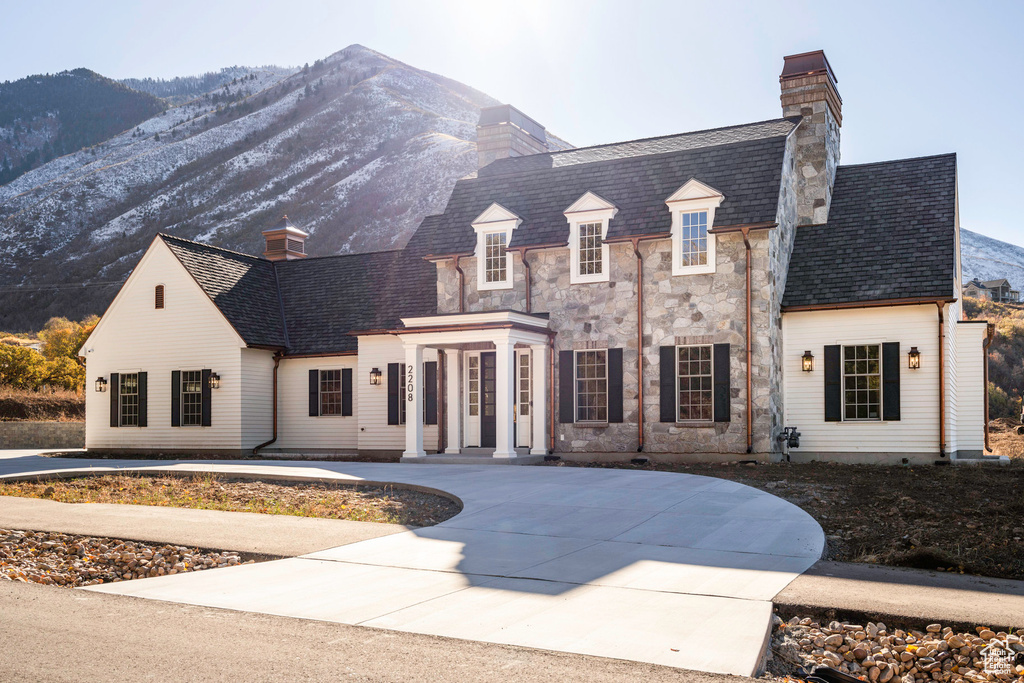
pixel 873 652
pixel 71 560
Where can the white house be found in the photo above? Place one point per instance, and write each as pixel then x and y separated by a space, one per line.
pixel 698 296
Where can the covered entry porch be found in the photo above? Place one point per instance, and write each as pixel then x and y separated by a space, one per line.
pixel 493 374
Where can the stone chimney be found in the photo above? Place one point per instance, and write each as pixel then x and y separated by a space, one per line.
pixel 504 132
pixel 285 242
pixel 809 91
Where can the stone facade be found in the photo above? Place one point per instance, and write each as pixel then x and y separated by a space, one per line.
pixel 815 99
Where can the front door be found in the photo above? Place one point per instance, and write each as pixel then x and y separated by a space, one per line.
pixel 524 414
pixel 488 417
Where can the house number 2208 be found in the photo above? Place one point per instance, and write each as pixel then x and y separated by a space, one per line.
pixel 410 384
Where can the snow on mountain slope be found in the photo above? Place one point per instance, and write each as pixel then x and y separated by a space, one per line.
pixel 356 149
pixel 986 258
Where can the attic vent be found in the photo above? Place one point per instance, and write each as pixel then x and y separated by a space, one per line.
pixel 296 245
pixel 159 296
pixel 276 244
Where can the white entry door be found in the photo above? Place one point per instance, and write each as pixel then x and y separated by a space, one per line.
pixel 524 395
pixel 472 385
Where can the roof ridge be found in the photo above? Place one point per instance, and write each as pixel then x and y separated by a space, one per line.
pixel 896 161
pixel 164 235
pixel 358 253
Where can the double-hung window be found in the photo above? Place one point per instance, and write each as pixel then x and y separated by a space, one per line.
pixel 330 392
pixel 191 398
pixel 695 384
pixel 591 261
pixel 862 382
pixel 588 219
pixel 592 386
pixel 693 216
pixel 693 242
pixel 495 263
pixel 128 399
pixel 493 259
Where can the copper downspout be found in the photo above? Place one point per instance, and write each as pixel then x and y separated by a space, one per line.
pixel 551 394
pixel 462 285
pixel 277 362
pixel 985 344
pixel 527 273
pixel 639 343
pixel 750 354
pixel 942 384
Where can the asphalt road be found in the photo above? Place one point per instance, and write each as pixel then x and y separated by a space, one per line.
pixel 58 634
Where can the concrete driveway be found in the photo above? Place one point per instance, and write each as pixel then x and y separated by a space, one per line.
pixel 662 568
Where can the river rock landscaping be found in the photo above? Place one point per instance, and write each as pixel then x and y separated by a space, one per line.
pixel 72 560
pixel 875 653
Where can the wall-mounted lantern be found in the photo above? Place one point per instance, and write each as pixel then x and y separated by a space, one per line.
pixel 807 361
pixel 101 384
pixel 214 380
pixel 375 377
pixel 914 358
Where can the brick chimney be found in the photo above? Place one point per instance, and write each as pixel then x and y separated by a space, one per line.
pixel 504 132
pixel 809 91
pixel 285 242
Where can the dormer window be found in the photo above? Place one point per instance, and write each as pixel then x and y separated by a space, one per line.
pixel 693 215
pixel 493 260
pixel 588 228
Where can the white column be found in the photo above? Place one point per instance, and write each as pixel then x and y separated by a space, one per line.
pixel 453 409
pixel 412 394
pixel 540 399
pixel 505 385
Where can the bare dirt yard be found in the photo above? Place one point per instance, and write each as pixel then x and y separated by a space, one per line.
pixel 215 492
pixel 961 519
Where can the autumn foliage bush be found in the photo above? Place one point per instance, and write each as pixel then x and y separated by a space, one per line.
pixel 55 367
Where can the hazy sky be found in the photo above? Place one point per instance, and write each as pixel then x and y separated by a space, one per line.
pixel 916 78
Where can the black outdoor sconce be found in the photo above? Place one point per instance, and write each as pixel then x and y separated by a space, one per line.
pixel 914 358
pixel 808 361
pixel 101 384
pixel 214 380
pixel 375 377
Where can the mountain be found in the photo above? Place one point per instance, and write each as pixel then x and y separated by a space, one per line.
pixel 986 258
pixel 179 90
pixel 45 116
pixel 356 149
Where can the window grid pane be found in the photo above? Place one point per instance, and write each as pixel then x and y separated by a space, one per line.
pixel 694 240
pixel 696 383
pixel 474 385
pixel 524 385
pixel 129 400
pixel 591 386
pixel 862 382
pixel 590 249
pixel 192 398
pixel 330 392
pixel 494 257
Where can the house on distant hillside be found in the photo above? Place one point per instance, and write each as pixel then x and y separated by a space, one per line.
pixel 697 296
pixel 992 290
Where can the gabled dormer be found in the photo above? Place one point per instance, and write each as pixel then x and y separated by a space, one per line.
pixel 493 260
pixel 693 215
pixel 588 220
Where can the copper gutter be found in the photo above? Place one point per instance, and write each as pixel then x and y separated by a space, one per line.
pixel 743 227
pixel 277 362
pixel 984 345
pixel 876 303
pixel 472 327
pixel 942 383
pixel 326 354
pixel 750 355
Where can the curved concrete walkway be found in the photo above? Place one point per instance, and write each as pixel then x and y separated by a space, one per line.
pixel 664 568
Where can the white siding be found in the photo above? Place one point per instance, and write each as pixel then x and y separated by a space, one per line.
pixel 376 351
pixel 296 429
pixel 971 386
pixel 951 316
pixel 257 397
pixel 916 432
pixel 188 334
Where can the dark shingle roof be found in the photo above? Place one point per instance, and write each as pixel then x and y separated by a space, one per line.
pixel 241 286
pixel 744 163
pixel 890 235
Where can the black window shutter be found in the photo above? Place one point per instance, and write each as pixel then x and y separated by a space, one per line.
pixel 314 393
pixel 667 383
pixel 207 408
pixel 723 390
pixel 833 384
pixel 143 400
pixel 615 385
pixel 175 398
pixel 430 391
pixel 346 392
pixel 394 379
pixel 891 381
pixel 115 399
pixel 566 388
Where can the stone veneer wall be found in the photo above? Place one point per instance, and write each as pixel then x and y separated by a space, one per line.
pixel 32 434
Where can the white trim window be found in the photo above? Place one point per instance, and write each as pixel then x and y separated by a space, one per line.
pixel 588 229
pixel 128 399
pixel 494 263
pixel 693 215
pixel 591 374
pixel 191 398
pixel 695 384
pixel 330 392
pixel 862 383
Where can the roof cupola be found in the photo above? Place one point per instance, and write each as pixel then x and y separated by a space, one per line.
pixel 284 242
